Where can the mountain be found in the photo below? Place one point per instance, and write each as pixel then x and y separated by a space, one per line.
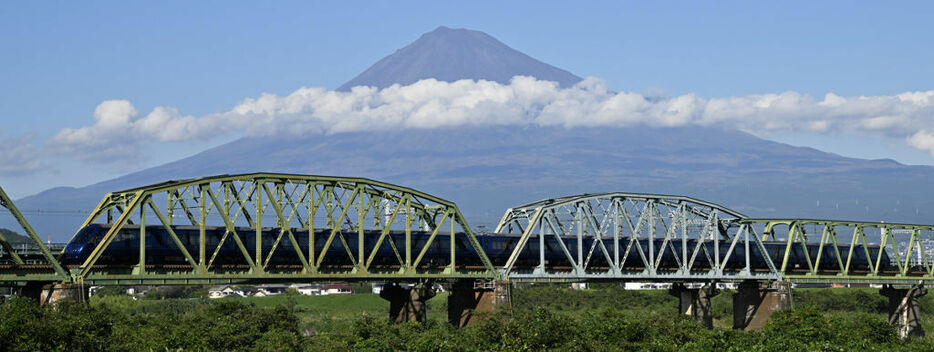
pixel 486 170
pixel 13 237
pixel 449 55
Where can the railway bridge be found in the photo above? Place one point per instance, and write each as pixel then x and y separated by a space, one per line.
pixel 268 227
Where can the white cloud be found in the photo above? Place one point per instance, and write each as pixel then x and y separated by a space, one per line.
pixel 923 140
pixel 525 101
pixel 117 132
pixel 18 156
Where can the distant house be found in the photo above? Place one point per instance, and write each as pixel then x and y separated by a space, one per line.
pixel 270 290
pixel 222 291
pixel 377 287
pixel 138 289
pixel 646 286
pixel 336 289
pixel 307 289
pixel 246 291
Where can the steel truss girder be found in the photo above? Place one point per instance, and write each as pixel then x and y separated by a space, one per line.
pixel 345 206
pixel 896 252
pixel 642 228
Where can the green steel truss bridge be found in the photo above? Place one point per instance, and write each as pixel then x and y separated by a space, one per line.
pixel 292 228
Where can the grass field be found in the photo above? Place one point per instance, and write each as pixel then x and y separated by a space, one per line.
pixel 338 312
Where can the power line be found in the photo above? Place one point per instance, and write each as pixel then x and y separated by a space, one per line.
pixel 51 212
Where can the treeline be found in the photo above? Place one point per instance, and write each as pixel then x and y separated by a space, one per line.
pixel 544 318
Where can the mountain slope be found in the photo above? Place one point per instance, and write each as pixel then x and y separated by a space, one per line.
pixel 485 170
pixel 451 54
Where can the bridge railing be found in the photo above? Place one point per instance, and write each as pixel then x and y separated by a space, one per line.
pixel 633 237
pixel 315 221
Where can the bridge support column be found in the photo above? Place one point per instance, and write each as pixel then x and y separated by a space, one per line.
pixel 754 303
pixel 695 302
pixel 46 294
pixel 407 304
pixel 904 310
pixel 52 294
pixel 469 296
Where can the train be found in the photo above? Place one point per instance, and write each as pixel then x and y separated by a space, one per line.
pixel 161 249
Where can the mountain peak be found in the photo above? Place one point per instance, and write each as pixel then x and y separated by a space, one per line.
pixel 450 54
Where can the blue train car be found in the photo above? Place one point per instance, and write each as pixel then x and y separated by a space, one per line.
pixel 161 249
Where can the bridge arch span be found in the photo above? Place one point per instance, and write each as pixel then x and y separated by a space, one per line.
pixel 285 227
pixel 635 236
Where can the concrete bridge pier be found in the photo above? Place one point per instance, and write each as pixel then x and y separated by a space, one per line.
pixel 904 310
pixel 471 296
pixel 695 302
pixel 407 303
pixel 754 303
pixel 50 294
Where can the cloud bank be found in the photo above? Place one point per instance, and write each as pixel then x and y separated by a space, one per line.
pixel 119 128
pixel 18 156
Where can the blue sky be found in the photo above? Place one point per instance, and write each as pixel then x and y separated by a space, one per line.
pixel 62 59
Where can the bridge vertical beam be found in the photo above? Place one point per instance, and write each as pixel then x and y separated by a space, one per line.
pixel 312 209
pixel 541 246
pixel 169 209
pixel 202 229
pixel 258 225
pixel 469 297
pixel 141 267
pixel 754 303
pixel 579 219
pixel 904 309
pixel 408 235
pixel 696 302
pixel 361 217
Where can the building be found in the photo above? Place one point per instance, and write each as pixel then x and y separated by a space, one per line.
pixel 336 289
pixel 307 289
pixel 222 291
pixel 377 287
pixel 270 290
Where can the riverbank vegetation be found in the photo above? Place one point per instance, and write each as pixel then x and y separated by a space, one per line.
pixel 604 318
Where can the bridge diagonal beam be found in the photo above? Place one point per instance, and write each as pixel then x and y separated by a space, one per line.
pixel 635 233
pixel 430 240
pixel 109 236
pixel 382 236
pixel 336 229
pixel 599 232
pixel 230 229
pixel 7 203
pixel 242 205
pixel 285 228
pixel 174 236
pixel 551 220
pixel 181 201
